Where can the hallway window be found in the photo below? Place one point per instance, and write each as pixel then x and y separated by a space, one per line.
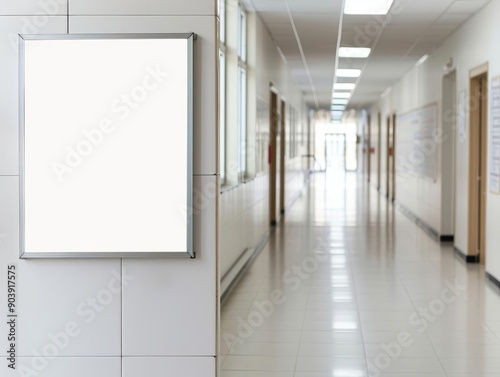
pixel 242 93
pixel 222 21
pixel 222 117
pixel 242 34
pixel 222 91
pixel 242 121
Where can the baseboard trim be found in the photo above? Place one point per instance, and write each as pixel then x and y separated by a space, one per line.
pixel 447 238
pixel 493 280
pixel 304 189
pixel 231 278
pixel 466 258
pixel 431 232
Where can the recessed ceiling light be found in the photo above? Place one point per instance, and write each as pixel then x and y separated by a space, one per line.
pixel 354 52
pixel 338 107
pixel 422 59
pixel 341 95
pixel 346 80
pixel 340 101
pixel 344 86
pixel 348 72
pixel 367 6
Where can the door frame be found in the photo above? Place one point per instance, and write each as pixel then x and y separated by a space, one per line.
pixel 282 155
pixel 388 159
pixel 328 137
pixel 273 131
pixel 379 152
pixel 478 158
pixel 369 148
pixel 393 196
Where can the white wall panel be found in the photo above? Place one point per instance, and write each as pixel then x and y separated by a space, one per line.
pixel 9 234
pixel 172 366
pixel 142 7
pixel 52 292
pixel 170 310
pixel 38 10
pixel 205 85
pixel 74 304
pixel 65 366
pixel 10 27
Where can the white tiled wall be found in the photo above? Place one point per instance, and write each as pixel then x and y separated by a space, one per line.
pixel 168 307
pixel 66 366
pixel 169 366
pixel 55 294
pixel 36 8
pixel 144 7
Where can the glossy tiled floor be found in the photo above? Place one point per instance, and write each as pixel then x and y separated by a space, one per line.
pixel 347 286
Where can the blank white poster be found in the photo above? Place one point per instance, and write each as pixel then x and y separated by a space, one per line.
pixel 106 146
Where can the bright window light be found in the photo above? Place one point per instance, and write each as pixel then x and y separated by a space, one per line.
pixel 367 6
pixel 354 52
pixel 348 72
pixel 344 86
pixel 341 95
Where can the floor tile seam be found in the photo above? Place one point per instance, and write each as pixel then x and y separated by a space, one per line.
pixel 426 333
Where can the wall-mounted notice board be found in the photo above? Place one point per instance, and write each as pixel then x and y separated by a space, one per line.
pixel 494 148
pixel 418 142
pixel 106 145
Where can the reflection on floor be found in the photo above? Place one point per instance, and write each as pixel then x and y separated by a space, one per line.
pixel 348 286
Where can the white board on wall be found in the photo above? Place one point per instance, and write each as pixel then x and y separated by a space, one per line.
pixel 417 142
pixel 494 137
pixel 106 145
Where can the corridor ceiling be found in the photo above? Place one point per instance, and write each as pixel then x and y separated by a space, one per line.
pixel 307 32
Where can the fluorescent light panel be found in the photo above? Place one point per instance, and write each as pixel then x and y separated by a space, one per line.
pixel 341 95
pixel 348 72
pixel 354 52
pixel 340 101
pixel 379 7
pixel 422 59
pixel 344 86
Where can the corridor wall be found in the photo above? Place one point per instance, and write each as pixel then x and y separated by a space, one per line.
pixel 244 207
pixel 470 46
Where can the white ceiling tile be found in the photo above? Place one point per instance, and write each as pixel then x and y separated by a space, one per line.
pixel 466 6
pixel 452 19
